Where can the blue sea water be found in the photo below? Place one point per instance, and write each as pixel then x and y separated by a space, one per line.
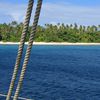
pixel 55 72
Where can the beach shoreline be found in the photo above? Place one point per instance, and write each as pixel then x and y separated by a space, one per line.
pixel 48 43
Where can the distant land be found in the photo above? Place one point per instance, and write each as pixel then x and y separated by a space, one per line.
pixel 49 43
pixel 60 32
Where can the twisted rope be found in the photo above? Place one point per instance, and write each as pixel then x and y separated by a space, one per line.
pixel 28 51
pixel 21 46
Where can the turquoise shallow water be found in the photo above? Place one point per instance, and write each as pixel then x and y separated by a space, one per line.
pixel 55 72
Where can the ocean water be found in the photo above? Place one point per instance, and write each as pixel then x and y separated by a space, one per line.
pixel 55 72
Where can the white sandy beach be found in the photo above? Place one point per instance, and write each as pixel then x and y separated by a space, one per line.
pixel 49 43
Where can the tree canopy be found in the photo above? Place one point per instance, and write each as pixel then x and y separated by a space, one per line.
pixel 52 33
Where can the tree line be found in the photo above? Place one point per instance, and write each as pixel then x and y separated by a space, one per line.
pixel 51 33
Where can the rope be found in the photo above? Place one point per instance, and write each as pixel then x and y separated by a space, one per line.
pixel 21 98
pixel 28 51
pixel 21 46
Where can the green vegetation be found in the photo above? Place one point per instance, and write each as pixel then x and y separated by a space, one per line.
pixel 51 33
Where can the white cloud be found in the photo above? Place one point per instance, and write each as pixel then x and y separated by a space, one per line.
pixel 58 12
pixel 70 14
pixel 6 18
pixel 17 12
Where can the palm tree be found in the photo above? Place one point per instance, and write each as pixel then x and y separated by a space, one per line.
pixel 13 23
pixel 84 28
pixel 71 26
pixel 88 28
pixel 75 26
pixel 0 37
pixel 99 27
pixel 80 29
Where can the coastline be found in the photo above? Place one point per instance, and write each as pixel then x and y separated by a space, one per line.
pixel 48 43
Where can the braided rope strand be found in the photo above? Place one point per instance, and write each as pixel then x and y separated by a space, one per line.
pixel 21 46
pixel 28 51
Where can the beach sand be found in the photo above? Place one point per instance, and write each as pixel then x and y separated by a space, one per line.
pixel 48 43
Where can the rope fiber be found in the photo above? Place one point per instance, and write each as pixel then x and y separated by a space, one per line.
pixel 21 46
pixel 28 51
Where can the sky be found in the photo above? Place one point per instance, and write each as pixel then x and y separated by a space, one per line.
pixel 84 12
